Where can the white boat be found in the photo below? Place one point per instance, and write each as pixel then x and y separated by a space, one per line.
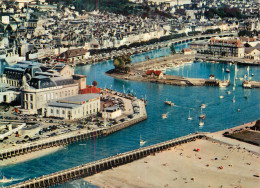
pixel 169 103
pixel 221 96
pixel 227 70
pixel 5 180
pixel 189 118
pixel 202 106
pixel 234 100
pixel 201 123
pixel 142 142
pixel 224 83
pixel 228 92
pixel 164 116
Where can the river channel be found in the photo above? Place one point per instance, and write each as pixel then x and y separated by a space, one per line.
pixel 220 114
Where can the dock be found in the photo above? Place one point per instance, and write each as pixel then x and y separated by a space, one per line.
pixel 75 136
pixel 92 168
pixel 251 84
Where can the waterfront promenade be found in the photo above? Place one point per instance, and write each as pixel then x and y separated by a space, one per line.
pixel 146 48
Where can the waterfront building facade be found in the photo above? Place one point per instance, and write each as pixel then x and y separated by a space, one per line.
pixel 42 89
pixel 74 107
pixel 226 47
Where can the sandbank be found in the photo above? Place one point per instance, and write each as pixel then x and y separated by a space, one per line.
pixel 29 156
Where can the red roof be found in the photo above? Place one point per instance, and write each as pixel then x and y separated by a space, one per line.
pixel 155 72
pixel 149 72
pixel 90 89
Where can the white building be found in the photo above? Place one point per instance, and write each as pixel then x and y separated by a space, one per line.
pixel 111 112
pixel 8 94
pixel 73 107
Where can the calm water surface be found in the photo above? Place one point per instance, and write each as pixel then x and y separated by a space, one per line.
pixel 220 114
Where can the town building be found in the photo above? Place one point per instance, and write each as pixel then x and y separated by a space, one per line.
pixel 111 112
pixel 229 47
pixel 8 93
pixel 74 107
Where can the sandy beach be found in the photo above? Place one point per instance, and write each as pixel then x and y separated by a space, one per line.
pixel 30 156
pixel 214 165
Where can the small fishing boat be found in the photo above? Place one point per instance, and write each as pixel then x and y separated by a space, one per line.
pixel 164 116
pixel 189 118
pixel 201 123
pixel 169 103
pixel 5 180
pixel 221 96
pixel 234 100
pixel 228 92
pixel 252 75
pixel 202 106
pixel 227 70
pixel 142 142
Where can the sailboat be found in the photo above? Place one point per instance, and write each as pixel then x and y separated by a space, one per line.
pixel 142 142
pixel 164 116
pixel 202 116
pixel 189 118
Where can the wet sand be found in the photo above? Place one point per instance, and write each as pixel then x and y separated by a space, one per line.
pixel 183 167
pixel 30 156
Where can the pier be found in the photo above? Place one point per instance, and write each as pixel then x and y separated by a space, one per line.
pixel 89 169
pixel 75 136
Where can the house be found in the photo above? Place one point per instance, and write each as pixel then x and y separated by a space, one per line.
pixel 74 54
pixel 252 53
pixel 111 112
pixel 187 51
pixel 155 74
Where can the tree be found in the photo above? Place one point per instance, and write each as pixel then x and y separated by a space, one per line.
pixel 172 49
pixel 122 63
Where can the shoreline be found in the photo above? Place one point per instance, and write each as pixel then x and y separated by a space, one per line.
pixel 196 143
pixel 214 165
pixel 139 72
pixel 31 156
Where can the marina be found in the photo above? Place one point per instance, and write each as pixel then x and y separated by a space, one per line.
pixel 187 98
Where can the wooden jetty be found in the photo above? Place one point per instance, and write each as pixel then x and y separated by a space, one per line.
pixel 89 169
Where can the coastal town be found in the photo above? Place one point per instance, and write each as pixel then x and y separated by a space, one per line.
pixel 73 72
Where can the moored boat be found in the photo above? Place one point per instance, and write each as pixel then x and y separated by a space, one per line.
pixel 169 103
pixel 164 116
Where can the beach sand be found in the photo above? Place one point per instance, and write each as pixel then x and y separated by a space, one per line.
pixel 183 167
pixel 30 156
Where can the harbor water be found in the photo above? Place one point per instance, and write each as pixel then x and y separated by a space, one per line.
pixel 220 114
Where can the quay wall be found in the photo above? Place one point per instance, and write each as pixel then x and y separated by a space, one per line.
pixel 68 139
pixel 89 169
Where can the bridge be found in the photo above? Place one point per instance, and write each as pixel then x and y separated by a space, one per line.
pixel 89 169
